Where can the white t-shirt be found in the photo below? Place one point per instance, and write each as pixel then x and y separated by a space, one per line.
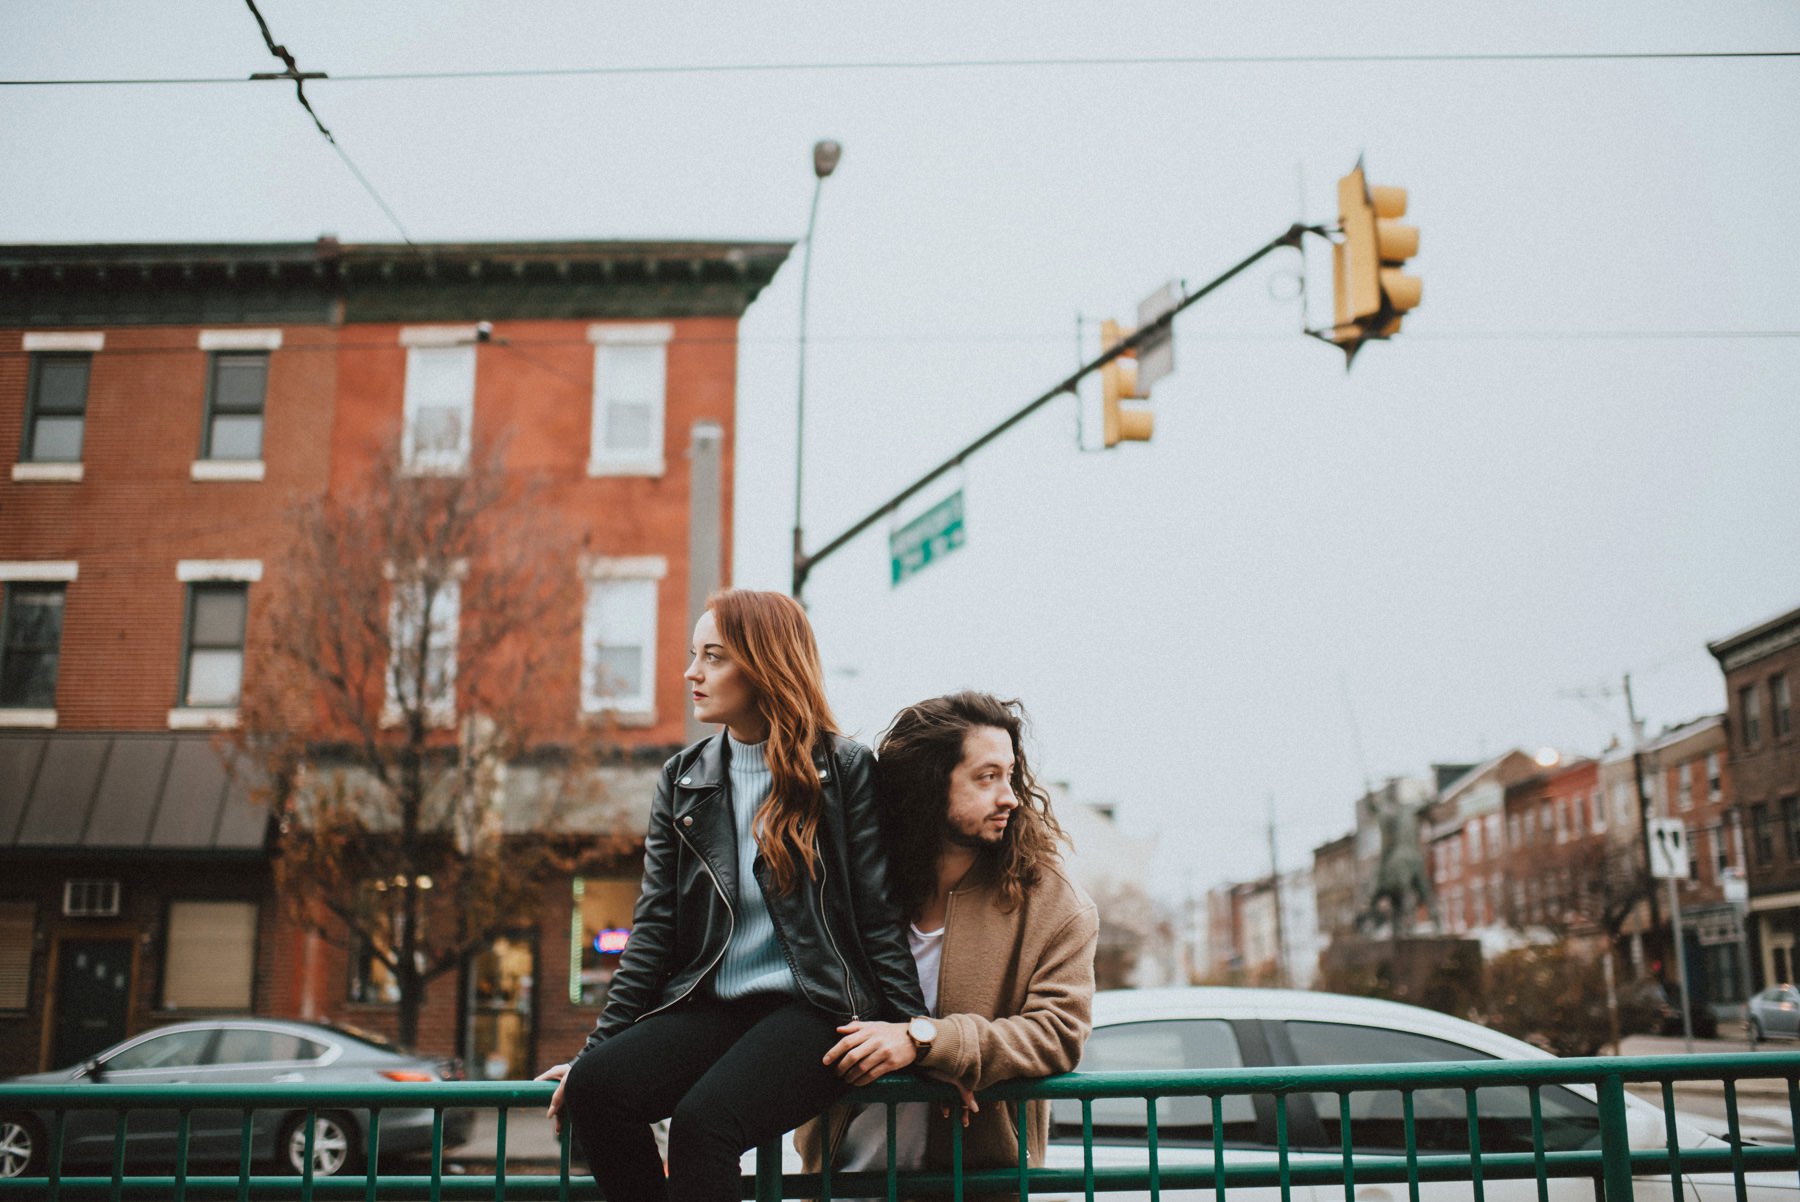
pixel 864 1146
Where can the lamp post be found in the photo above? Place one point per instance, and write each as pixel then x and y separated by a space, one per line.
pixel 825 160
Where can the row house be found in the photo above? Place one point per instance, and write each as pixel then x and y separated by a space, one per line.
pixel 1762 765
pixel 168 409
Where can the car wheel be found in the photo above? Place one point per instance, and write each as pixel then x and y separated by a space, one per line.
pixel 336 1145
pixel 21 1147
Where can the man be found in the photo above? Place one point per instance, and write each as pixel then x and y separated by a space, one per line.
pixel 1003 938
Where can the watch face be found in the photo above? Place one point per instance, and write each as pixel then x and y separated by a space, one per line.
pixel 923 1030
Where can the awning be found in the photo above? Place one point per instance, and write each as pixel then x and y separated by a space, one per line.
pixel 80 791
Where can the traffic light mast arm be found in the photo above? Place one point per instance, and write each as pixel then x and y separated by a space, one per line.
pixel 804 563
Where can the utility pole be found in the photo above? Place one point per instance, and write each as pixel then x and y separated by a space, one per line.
pixel 1643 796
pixel 1281 972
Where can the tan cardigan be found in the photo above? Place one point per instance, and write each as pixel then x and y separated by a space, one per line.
pixel 1015 992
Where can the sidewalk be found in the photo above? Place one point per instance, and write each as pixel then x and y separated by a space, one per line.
pixel 530 1142
pixel 1672 1045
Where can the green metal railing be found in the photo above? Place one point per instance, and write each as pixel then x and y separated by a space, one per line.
pixel 1615 1166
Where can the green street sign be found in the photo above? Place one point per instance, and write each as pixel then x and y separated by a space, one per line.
pixel 927 538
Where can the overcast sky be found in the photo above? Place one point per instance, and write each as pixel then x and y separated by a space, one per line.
pixel 1578 459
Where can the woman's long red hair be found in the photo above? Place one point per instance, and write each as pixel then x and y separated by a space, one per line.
pixel 769 636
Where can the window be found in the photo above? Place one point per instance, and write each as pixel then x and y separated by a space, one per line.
pixel 1750 715
pixel 1597 806
pixel 1623 799
pixel 1493 834
pixel 1684 786
pixel 439 407
pixel 234 405
pixel 423 626
pixel 1715 787
pixel 212 664
pixel 32 646
pixel 177 1049
pixel 1578 806
pixel 1781 706
pixel 1760 836
pixel 260 1045
pixel 1790 822
pixel 18 930
pixel 618 636
pixel 1474 842
pixel 1697 850
pixel 1477 902
pixel 1174 1044
pixel 1441 1122
pixel 1722 850
pixel 56 409
pixel 1546 821
pixel 209 960
pixel 630 382
pixel 603 907
pixel 1512 830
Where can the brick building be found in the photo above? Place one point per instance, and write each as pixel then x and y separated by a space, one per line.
pixel 1760 665
pixel 168 407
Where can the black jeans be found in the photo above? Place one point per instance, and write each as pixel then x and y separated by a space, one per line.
pixel 728 1074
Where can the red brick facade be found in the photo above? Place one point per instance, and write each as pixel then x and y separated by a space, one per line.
pixel 334 396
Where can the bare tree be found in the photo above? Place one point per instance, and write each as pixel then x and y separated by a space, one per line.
pixel 1589 886
pixel 422 644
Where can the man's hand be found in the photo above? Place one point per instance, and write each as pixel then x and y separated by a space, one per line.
pixel 969 1104
pixel 556 1073
pixel 870 1051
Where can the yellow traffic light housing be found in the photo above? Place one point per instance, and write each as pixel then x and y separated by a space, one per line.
pixel 1370 292
pixel 1118 384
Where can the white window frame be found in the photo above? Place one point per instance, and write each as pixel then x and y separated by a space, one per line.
pixel 34 571
pixel 212 571
pixel 441 710
pixel 650 461
pixel 639 708
pixel 437 340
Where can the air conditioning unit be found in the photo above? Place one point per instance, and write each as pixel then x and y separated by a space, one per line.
pixel 90 899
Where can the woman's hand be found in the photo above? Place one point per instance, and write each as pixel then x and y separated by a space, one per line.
pixel 556 1073
pixel 969 1104
pixel 870 1051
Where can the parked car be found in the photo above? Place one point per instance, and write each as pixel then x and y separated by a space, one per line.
pixel 1248 1028
pixel 235 1052
pixel 1775 1013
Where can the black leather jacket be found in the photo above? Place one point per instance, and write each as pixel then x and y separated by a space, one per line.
pixel 842 935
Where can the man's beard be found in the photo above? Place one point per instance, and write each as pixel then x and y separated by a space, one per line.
pixel 973 842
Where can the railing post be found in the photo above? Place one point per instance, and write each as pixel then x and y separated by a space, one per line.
pixel 1615 1139
pixel 768 1171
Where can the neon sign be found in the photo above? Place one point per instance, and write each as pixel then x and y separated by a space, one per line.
pixel 611 941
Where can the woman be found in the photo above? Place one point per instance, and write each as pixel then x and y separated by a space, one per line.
pixel 763 925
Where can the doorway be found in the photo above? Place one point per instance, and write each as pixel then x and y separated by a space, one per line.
pixel 500 1008
pixel 93 997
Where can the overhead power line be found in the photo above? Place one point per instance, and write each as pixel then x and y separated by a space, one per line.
pixel 299 78
pixel 947 64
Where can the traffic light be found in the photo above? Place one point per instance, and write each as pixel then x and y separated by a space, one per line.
pixel 1370 291
pixel 1118 384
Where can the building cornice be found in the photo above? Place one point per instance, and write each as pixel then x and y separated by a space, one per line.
pixel 328 282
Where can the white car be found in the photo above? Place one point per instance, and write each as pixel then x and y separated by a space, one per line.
pixel 1248 1028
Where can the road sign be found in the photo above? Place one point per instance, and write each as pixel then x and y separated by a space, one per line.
pixel 1668 849
pixel 1737 889
pixel 1716 929
pixel 927 538
pixel 1156 355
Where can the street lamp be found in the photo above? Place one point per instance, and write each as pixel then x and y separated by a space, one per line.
pixel 826 154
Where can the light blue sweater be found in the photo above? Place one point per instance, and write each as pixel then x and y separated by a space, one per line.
pixel 753 961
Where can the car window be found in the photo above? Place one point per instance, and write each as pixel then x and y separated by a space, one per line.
pixel 1175 1044
pixel 1440 1116
pixel 254 1045
pixel 177 1049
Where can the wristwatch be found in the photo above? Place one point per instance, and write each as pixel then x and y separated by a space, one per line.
pixel 921 1031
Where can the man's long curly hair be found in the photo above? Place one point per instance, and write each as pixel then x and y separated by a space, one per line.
pixel 918 752
pixel 769 636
